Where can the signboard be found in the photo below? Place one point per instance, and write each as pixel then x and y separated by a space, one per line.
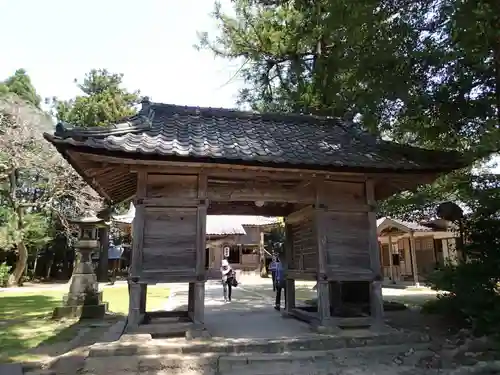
pixel 226 251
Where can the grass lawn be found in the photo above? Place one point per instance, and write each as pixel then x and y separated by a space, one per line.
pixel 26 325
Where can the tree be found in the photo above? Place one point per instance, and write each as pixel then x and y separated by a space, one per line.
pixel 425 73
pixel 103 102
pixel 36 183
pixel 20 84
pixel 472 287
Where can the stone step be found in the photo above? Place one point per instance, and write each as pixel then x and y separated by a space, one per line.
pixel 324 361
pixel 143 344
pixel 368 360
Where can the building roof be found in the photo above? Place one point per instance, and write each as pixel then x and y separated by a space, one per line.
pixel 220 225
pixel 408 226
pixel 181 133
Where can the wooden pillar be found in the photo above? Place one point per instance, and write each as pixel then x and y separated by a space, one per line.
pixel 322 287
pixel 199 302
pixel 413 259
pixel 103 254
pixel 391 265
pixel 376 298
pixel 262 256
pixel 144 293
pixel 198 293
pixel 290 283
pixel 134 311
pixel 191 301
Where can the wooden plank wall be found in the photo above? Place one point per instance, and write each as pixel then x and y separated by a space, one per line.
pixel 170 239
pixel 174 228
pixel 343 213
pixel 305 249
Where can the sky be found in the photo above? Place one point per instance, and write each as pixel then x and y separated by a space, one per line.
pixel 149 41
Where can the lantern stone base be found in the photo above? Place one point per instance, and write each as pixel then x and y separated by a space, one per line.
pixel 86 305
pixel 84 299
pixel 81 312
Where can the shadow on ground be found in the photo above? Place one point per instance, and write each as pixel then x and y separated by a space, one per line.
pixel 29 334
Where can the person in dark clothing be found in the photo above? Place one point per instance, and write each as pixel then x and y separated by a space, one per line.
pixel 280 283
pixel 272 268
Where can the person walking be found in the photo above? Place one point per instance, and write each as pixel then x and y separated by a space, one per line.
pixel 227 280
pixel 280 283
pixel 272 268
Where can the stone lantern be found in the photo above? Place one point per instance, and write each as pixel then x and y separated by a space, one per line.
pixel 84 299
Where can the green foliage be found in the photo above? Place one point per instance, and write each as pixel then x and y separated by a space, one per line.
pixel 20 84
pixel 275 239
pixel 425 73
pixel 4 274
pixel 473 286
pixel 104 101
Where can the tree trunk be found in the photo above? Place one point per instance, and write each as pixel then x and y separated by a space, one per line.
pixel 22 258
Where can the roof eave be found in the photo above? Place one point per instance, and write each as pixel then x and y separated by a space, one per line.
pixel 61 147
pixel 61 144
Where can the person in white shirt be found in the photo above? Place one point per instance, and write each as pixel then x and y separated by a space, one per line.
pixel 227 274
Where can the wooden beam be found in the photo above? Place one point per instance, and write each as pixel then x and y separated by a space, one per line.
pixel 160 166
pixel 237 191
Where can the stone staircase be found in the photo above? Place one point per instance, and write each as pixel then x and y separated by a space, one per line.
pixel 312 354
pixel 381 359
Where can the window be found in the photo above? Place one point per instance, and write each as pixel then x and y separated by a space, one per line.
pixel 234 254
pixel 246 250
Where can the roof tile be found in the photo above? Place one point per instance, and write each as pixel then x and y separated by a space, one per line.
pixel 232 136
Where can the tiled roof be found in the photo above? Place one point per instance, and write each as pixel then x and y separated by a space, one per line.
pixel 219 225
pixel 412 226
pixel 228 136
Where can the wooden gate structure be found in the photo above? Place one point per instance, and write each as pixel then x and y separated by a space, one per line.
pixel 322 174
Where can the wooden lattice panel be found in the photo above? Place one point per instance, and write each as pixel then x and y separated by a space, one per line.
pixel 304 246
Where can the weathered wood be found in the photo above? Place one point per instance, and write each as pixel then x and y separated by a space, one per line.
pixel 199 302
pixel 170 238
pixel 174 186
pixel 251 190
pixel 138 227
pixel 289 295
pixel 134 310
pixel 201 226
pixel 300 215
pixel 391 265
pixel 324 315
pixel 320 229
pixel 413 259
pixel 333 193
pixel 191 301
pixel 302 275
pixel 347 243
pixel 376 299
pixel 249 208
pixel 144 293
